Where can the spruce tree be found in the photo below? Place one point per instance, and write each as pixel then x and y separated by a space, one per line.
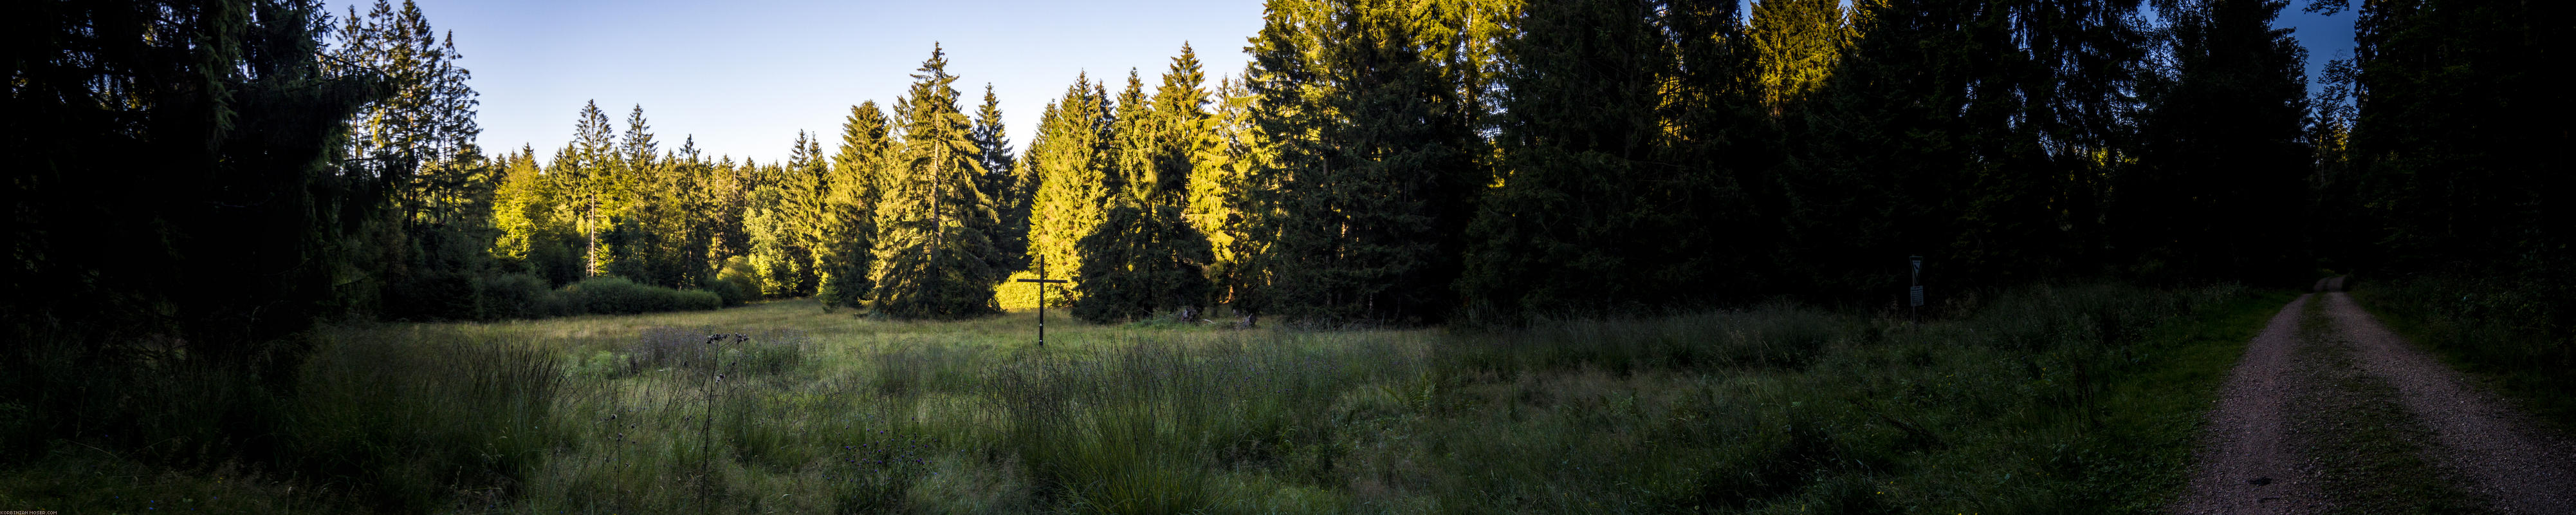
pixel 1574 225
pixel 1799 43
pixel 1378 166
pixel 1144 258
pixel 1067 158
pixel 1009 188
pixel 848 249
pixel 2220 144
pixel 1230 150
pixel 585 174
pixel 934 258
pixel 769 226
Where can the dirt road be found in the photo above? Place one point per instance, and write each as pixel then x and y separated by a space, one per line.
pixel 2263 448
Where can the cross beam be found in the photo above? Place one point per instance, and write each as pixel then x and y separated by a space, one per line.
pixel 1043 281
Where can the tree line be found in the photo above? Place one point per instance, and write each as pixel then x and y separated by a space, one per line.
pixel 1430 161
pixel 1378 161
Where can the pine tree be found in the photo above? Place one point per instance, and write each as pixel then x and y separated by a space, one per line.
pixel 2221 143
pixel 1799 43
pixel 1378 160
pixel 585 172
pixel 1574 225
pixel 934 258
pixel 1010 189
pixel 1067 159
pixel 1229 152
pixel 1144 258
pixel 847 254
pixel 776 255
pixel 427 121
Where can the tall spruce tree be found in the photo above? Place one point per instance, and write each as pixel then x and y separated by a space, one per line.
pixel 1067 159
pixel 585 174
pixel 176 177
pixel 848 250
pixel 1574 224
pixel 1230 151
pixel 1799 43
pixel 1377 165
pixel 2221 142
pixel 934 258
pixel 1010 189
pixel 777 256
pixel 1144 258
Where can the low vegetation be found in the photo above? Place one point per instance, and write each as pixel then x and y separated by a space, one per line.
pixel 2065 399
pixel 2514 335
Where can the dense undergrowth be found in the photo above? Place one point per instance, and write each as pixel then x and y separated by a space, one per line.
pixel 2052 400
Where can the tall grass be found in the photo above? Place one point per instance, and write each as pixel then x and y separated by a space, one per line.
pixel 2018 407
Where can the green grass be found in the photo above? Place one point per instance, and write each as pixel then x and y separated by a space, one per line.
pixel 2509 338
pixel 2371 452
pixel 2048 400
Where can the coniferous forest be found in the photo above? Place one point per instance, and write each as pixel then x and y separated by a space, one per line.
pixel 210 196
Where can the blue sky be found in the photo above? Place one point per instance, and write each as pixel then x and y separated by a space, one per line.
pixel 744 76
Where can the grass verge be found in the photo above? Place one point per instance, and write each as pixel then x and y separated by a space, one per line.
pixel 2502 336
pixel 2372 454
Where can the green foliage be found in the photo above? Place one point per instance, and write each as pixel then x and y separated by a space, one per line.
pixel 1585 218
pixel 413 419
pixel 847 230
pixel 2221 143
pixel 1144 257
pixel 737 282
pixel 1800 43
pixel 935 256
pixel 1377 160
pixel 617 296
pixel 2517 333
pixel 1068 157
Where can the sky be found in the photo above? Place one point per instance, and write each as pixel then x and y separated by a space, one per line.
pixel 744 76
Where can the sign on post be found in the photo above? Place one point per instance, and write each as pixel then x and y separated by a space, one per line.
pixel 1914 293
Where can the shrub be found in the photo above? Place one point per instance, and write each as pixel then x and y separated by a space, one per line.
pixel 737 282
pixel 430 295
pixel 509 296
pixel 616 296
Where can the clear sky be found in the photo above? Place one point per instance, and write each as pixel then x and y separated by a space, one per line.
pixel 744 76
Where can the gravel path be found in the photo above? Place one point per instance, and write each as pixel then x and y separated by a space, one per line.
pixel 2507 458
pixel 2246 460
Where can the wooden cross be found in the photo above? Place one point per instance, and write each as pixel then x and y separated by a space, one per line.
pixel 1043 281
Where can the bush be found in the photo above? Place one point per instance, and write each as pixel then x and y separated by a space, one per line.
pixel 616 296
pixel 737 282
pixel 430 295
pixel 509 296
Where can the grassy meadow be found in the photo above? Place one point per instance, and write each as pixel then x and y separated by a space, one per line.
pixel 2049 400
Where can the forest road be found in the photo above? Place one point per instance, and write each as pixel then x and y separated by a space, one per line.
pixel 2252 457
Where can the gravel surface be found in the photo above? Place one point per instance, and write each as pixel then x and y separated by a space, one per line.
pixel 2246 460
pixel 2508 459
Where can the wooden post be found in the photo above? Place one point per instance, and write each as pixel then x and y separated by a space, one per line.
pixel 1042 282
pixel 1914 293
